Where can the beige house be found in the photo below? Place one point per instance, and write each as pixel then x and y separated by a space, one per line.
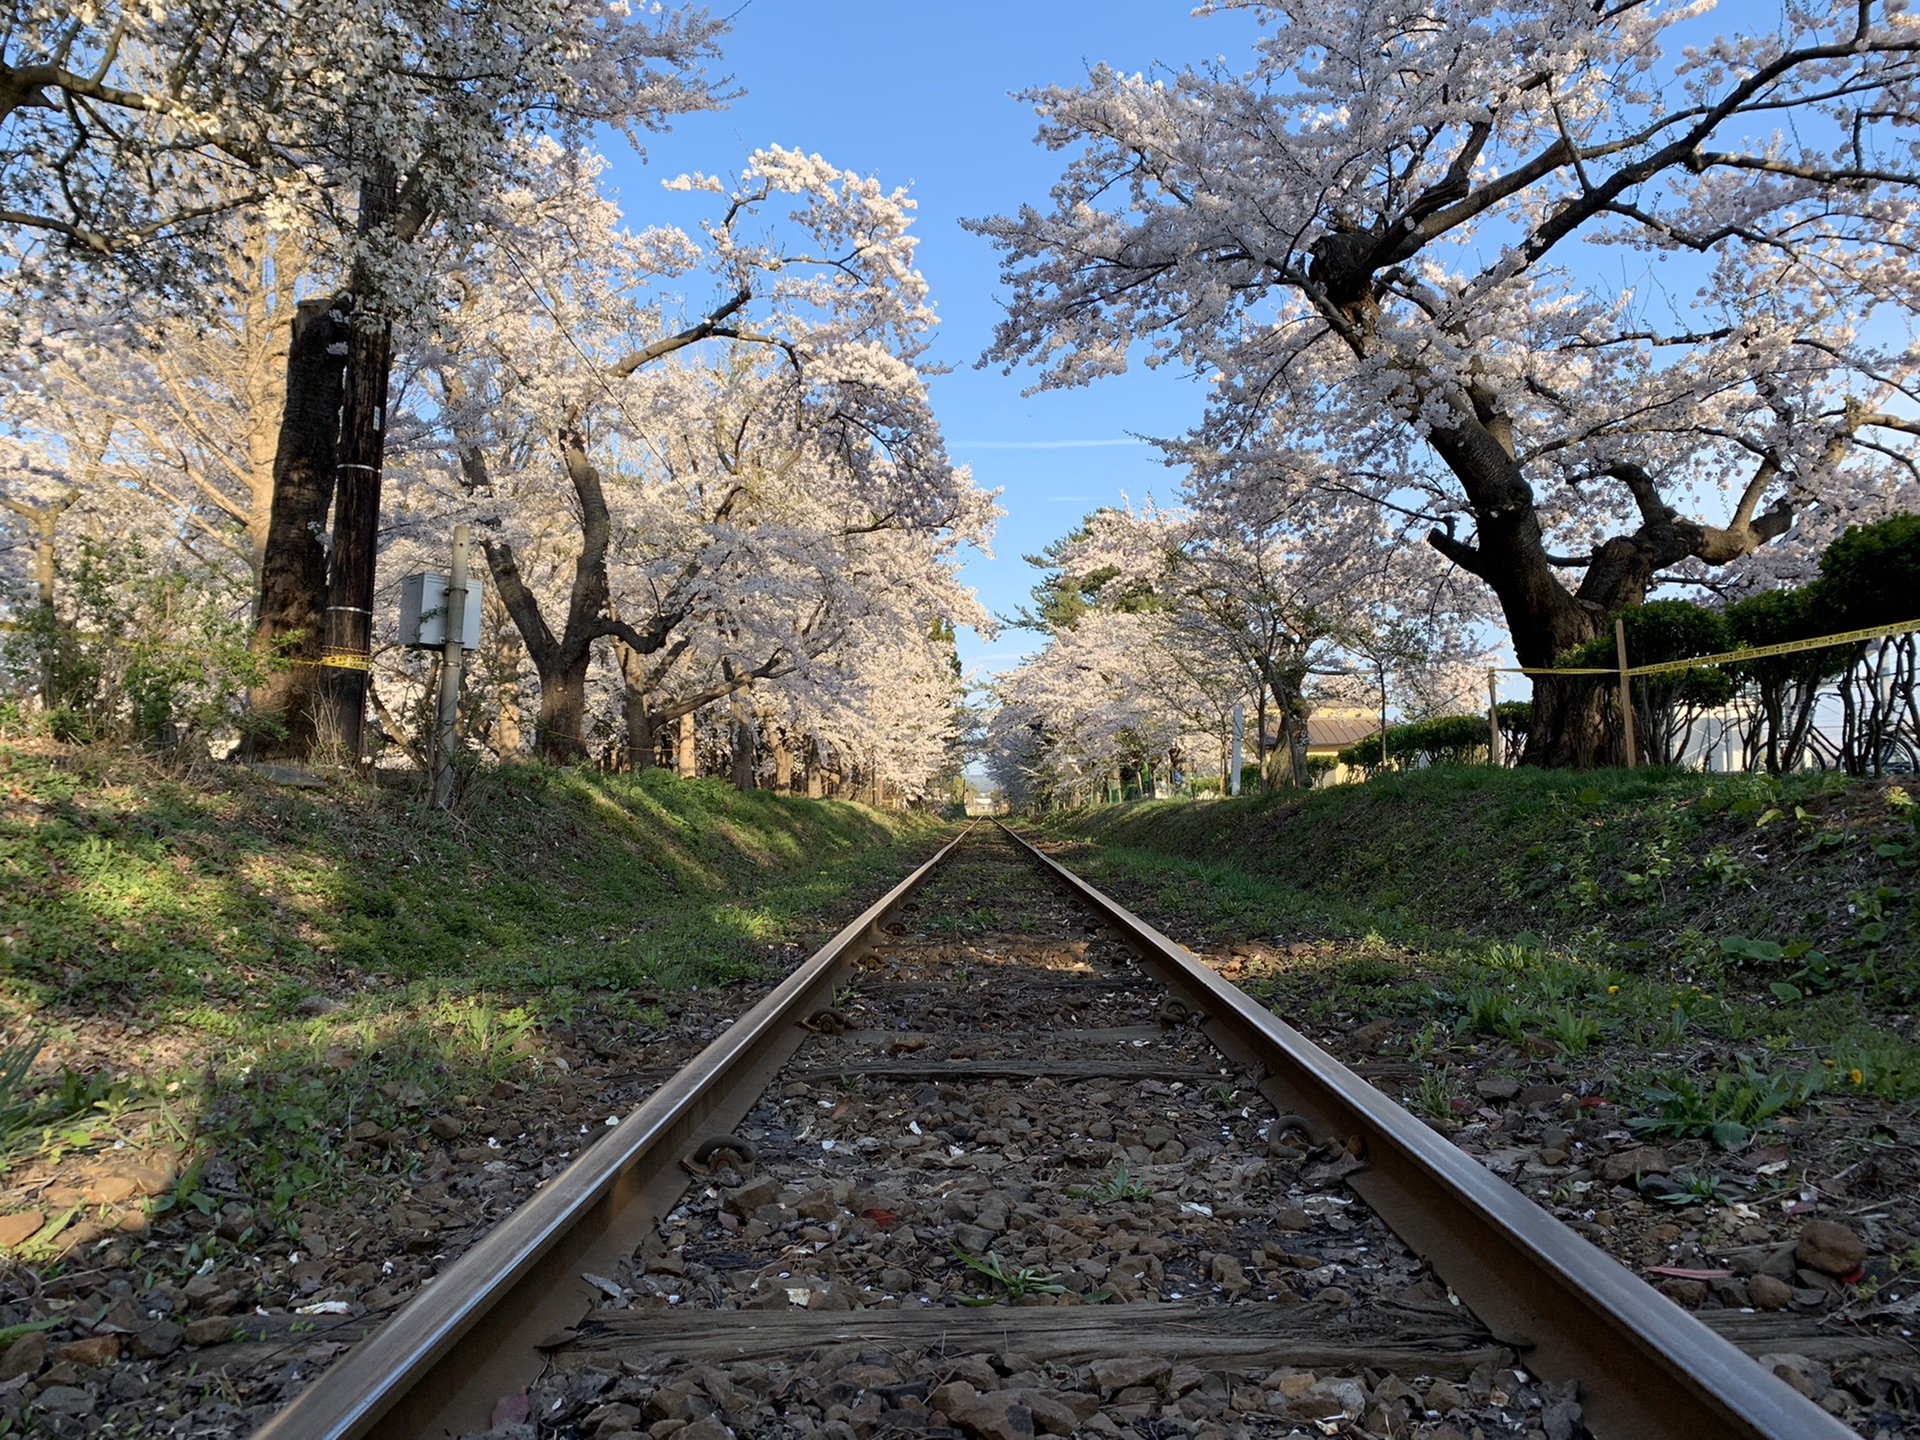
pixel 1330 731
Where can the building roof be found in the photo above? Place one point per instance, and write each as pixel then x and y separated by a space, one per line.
pixel 1334 730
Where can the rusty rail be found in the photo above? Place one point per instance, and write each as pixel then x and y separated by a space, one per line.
pixel 1646 1367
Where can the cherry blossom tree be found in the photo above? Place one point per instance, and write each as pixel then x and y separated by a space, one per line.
pixel 1390 243
pixel 1280 606
pixel 126 127
pixel 751 484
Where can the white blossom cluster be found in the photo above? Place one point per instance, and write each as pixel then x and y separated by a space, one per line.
pixel 1598 298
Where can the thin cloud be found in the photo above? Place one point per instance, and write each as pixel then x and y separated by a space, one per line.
pixel 1041 444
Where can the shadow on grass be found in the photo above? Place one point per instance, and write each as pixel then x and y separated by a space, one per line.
pixel 215 896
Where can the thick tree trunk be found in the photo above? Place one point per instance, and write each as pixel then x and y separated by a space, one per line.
pixel 1573 725
pixel 688 757
pixel 782 766
pixel 640 738
pixel 635 707
pixel 745 746
pixel 289 619
pixel 560 729
pixel 507 740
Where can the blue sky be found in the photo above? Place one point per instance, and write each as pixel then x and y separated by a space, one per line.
pixel 919 94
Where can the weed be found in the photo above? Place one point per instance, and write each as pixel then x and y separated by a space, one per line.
pixel 18 1109
pixel 1729 1109
pixel 1882 1066
pixel 1718 867
pixel 1698 1187
pixel 1435 1094
pixel 1014 1284
pixel 1117 1187
pixel 1494 1012
pixel 1571 1030
pixel 1428 1038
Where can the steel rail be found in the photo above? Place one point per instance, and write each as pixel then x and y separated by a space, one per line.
pixel 473 1335
pixel 1646 1367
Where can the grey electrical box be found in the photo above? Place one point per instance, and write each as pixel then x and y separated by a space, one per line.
pixel 423 612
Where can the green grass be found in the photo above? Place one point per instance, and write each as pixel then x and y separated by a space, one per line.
pixel 1648 865
pixel 1594 911
pixel 179 899
pixel 209 910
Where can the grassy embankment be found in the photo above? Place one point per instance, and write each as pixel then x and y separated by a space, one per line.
pixel 1641 913
pixel 238 965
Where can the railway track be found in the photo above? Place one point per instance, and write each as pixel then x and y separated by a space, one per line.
pixel 1002 1160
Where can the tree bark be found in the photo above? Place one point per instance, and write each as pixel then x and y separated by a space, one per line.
pixel 745 747
pixel 562 661
pixel 289 619
pixel 782 766
pixel 688 756
pixel 1509 553
pixel 356 535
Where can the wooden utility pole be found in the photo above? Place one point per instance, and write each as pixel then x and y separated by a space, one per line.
pixel 1626 693
pixel 450 666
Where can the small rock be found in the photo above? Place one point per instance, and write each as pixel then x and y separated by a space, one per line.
pixel 1328 1398
pixel 312 1005
pixel 954 1396
pixel 112 1189
pixel 95 1350
pixel 1690 1293
pixel 212 1330
pixel 974 1239
pixel 1292 1217
pixel 158 1340
pixel 1769 1293
pixel 446 1127
pixel 1497 1087
pixel 1230 1275
pixel 1444 1396
pixel 65 1400
pixel 708 1429
pixel 14 1229
pixel 1051 1414
pixel 1623 1165
pixel 235 1220
pixel 1125 1371
pixel 999 1415
pixel 24 1356
pixel 1829 1248
pixel 751 1196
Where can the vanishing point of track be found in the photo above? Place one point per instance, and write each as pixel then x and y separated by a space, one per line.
pixel 1082 1080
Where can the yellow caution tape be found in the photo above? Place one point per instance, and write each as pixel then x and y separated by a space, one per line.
pixel 336 660
pixel 1736 657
